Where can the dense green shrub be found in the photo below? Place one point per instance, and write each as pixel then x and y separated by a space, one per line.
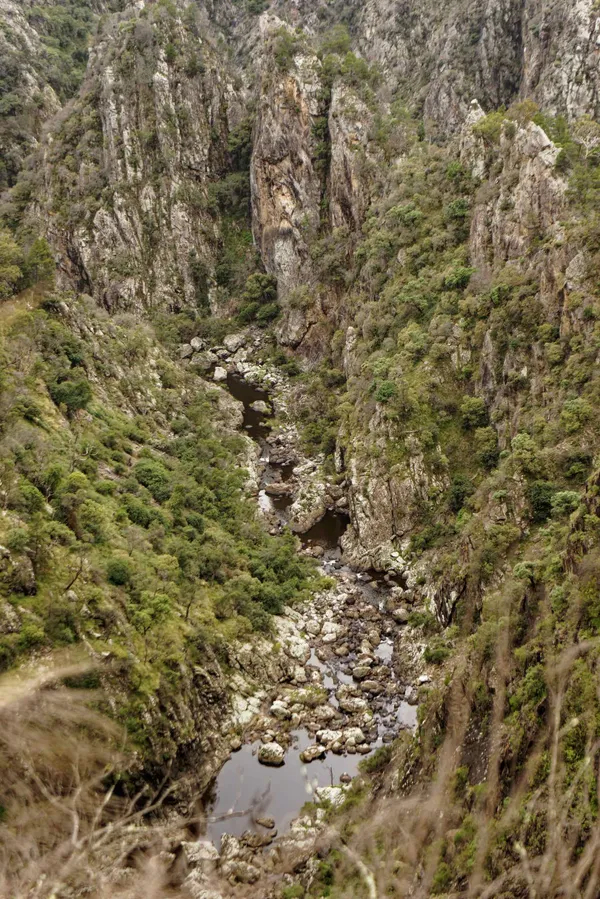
pixel 73 393
pixel 473 412
pixel 259 299
pixel 118 571
pixel 155 477
pixel 539 495
pixel 385 391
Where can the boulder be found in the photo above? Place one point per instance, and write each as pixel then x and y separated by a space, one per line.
pixel 333 796
pixel 372 686
pixel 220 374
pixel 411 696
pixel 280 710
pixel 197 344
pixel 328 736
pixel 205 361
pixel 234 342
pixel 359 672
pixel 324 713
pixel 271 754
pixel 400 615
pixel 278 489
pixel 186 351
pixel 312 752
pixel 261 407
pixel 354 734
pixel 201 853
pixel 242 872
pixel 353 704
pixel 255 840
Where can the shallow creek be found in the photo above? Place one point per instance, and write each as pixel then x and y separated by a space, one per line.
pixel 245 789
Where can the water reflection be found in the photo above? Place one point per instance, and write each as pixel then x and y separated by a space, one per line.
pixel 245 789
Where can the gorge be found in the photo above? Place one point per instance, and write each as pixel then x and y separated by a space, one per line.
pixel 299 447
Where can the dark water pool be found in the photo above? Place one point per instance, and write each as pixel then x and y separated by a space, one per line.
pixel 245 786
pixel 254 423
pixel 327 532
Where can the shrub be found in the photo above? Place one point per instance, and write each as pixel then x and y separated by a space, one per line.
pixel 17 540
pixel 11 259
pixel 473 412
pixel 436 654
pixel 155 477
pixel 531 690
pixel 39 263
pixel 575 414
pixel 486 447
pixel 564 502
pixel 525 571
pixel 118 572
pixel 539 495
pixel 458 278
pixel 458 210
pixel 377 761
pixel 386 391
pixel 442 879
pixel 336 40
pixel 285 47
pixel 30 635
pixel 461 488
pixel 74 394
pixel 267 313
pixel 138 511
pixel 526 454
pixel 259 299
pixel 490 127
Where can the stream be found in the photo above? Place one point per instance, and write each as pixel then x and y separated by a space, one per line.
pixel 245 789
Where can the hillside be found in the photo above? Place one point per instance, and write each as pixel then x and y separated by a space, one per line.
pixel 298 431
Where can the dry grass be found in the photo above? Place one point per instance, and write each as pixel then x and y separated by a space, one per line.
pixel 69 824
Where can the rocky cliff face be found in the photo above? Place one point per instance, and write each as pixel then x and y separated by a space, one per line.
pixel 407 206
pixel 142 174
pixel 147 137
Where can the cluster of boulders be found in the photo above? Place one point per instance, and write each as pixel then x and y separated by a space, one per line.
pixel 354 667
pixel 238 353
pixel 246 859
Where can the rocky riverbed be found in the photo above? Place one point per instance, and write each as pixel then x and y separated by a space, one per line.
pixel 348 664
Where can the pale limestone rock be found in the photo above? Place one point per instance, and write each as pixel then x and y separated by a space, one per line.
pixel 271 754
pixel 315 751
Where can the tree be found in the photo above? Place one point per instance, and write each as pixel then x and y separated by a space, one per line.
pixel 39 264
pixel 11 259
pixel 153 610
pixel 473 412
pixel 74 394
pixel 587 135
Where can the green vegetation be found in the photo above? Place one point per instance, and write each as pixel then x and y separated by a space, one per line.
pixel 20 269
pixel 128 503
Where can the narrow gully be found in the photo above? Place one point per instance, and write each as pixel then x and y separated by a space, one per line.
pixel 244 789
